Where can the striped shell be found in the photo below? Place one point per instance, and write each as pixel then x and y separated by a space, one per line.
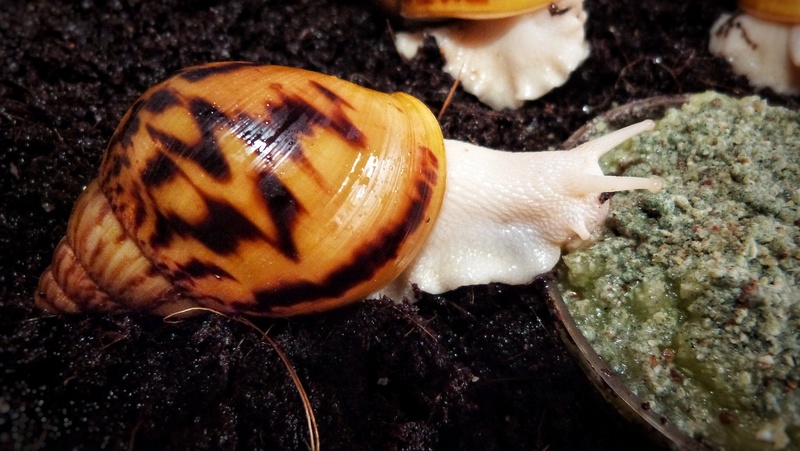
pixel 250 189
pixel 787 11
pixel 461 9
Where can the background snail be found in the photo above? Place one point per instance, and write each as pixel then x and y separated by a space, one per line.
pixel 762 43
pixel 502 52
pixel 268 190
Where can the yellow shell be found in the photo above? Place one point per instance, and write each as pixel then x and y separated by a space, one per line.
pixel 251 189
pixel 461 9
pixel 787 11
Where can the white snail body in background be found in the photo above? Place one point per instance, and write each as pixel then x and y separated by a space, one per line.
pixel 273 191
pixel 502 52
pixel 762 43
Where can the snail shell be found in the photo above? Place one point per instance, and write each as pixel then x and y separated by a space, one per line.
pixel 440 9
pixel 251 189
pixel 273 191
pixel 787 11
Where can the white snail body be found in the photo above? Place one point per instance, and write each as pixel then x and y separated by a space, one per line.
pixel 762 43
pixel 508 59
pixel 506 216
pixel 273 191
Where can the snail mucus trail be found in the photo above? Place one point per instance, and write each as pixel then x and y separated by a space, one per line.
pixel 273 191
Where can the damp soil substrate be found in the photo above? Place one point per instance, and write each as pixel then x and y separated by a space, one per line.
pixel 478 368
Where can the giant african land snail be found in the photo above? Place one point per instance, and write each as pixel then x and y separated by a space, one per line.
pixel 762 43
pixel 267 190
pixel 503 52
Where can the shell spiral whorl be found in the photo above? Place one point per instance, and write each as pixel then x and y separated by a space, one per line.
pixel 252 189
pixel 97 267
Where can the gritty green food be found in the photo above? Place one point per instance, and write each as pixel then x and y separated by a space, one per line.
pixel 692 295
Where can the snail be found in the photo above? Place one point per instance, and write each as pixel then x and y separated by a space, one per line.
pixel 273 191
pixel 503 52
pixel 762 42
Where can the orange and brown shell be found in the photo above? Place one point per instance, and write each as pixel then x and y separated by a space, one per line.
pixel 250 189
pixel 786 11
pixel 461 9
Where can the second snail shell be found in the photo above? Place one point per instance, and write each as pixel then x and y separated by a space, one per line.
pixel 786 11
pixel 258 189
pixel 443 9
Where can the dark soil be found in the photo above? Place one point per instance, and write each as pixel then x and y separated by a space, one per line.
pixel 478 368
